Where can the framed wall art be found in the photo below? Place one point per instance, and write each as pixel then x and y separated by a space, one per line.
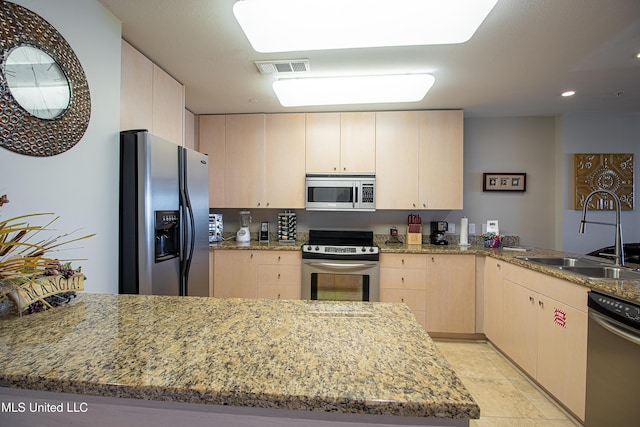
pixel 495 181
pixel 599 171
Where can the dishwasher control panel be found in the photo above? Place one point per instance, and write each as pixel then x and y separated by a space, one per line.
pixel 620 309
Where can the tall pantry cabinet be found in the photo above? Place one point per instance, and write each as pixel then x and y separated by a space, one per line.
pixel 150 98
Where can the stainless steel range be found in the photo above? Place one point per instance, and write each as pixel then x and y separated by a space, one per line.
pixel 340 266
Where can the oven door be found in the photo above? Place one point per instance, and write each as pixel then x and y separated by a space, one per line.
pixel 340 280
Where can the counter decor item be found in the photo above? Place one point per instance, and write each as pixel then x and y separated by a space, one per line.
pixel 492 240
pixel 414 230
pixel 393 237
pixel 287 228
pixel 29 277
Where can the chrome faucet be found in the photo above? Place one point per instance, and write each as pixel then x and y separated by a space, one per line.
pixel 619 248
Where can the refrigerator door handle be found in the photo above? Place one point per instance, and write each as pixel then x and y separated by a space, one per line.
pixel 188 242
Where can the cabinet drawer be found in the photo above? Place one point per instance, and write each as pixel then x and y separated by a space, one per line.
pixel 403 261
pixel 398 278
pixel 279 292
pixel 279 275
pixel 280 257
pixel 414 298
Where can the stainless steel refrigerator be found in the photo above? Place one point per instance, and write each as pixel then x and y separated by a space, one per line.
pixel 164 217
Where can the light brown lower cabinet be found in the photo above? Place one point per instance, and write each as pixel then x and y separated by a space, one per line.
pixel 279 275
pixel 256 274
pixel 403 278
pixel 451 294
pixel 235 274
pixel 493 301
pixel 439 289
pixel 545 332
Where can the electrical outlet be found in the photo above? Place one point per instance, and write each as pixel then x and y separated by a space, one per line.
pixel 472 229
pixel 451 228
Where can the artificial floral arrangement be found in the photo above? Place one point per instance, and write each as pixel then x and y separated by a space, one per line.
pixel 29 276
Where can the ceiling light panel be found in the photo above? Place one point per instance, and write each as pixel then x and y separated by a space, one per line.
pixel 352 90
pixel 300 25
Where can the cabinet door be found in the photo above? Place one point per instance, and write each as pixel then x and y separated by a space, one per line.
pixel 520 328
pixel 358 142
pixel 451 297
pixel 284 161
pixel 168 107
pixel 397 160
pixel 211 135
pixel 234 274
pixel 136 90
pixel 562 352
pixel 441 159
pixel 322 142
pixel 244 160
pixel 493 300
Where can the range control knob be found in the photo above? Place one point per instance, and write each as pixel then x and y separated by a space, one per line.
pixel 309 248
pixel 364 249
pixel 371 249
pixel 317 248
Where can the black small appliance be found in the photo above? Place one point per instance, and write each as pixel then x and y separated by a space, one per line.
pixel 438 229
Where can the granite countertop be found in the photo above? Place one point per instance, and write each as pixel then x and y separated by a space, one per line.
pixel 358 358
pixel 628 289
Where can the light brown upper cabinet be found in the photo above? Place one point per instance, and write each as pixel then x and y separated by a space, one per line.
pixel 211 137
pixel 150 98
pixel 244 161
pixel 440 171
pixel 256 160
pixel 340 142
pixel 419 159
pixel 284 161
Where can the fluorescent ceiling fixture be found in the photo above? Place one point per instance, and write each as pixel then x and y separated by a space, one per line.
pixel 353 90
pixel 296 25
pixel 568 93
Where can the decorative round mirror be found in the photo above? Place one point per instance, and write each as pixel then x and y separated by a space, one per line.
pixel 45 104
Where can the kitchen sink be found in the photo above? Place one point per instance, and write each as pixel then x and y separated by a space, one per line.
pixel 604 272
pixel 561 261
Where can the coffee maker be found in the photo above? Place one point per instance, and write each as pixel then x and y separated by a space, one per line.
pixel 438 229
pixel 243 235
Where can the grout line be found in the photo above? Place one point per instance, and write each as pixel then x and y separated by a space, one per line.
pixel 511 381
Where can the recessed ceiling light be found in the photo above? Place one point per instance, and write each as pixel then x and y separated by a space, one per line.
pixel 296 25
pixel 568 93
pixel 353 89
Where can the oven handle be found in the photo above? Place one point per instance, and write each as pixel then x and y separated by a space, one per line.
pixel 627 333
pixel 340 265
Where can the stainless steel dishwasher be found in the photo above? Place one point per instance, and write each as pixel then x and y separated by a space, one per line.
pixel 613 362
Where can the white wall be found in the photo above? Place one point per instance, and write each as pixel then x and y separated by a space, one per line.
pixel 80 185
pixel 594 133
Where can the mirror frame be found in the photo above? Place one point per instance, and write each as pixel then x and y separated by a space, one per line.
pixel 20 131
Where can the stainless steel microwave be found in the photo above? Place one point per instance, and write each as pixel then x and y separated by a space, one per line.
pixel 340 193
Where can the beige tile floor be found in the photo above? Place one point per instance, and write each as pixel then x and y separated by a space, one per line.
pixel 506 397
